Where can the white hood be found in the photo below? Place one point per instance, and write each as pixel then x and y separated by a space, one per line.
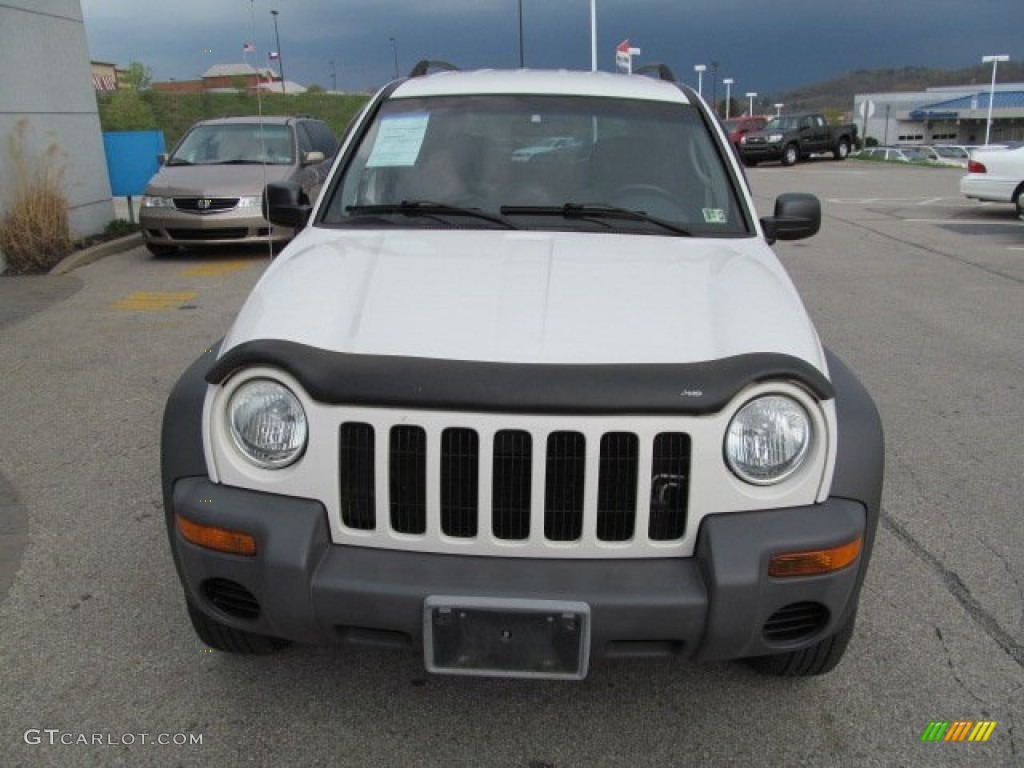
pixel 529 297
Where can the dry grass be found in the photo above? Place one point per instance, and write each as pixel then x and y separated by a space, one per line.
pixel 35 234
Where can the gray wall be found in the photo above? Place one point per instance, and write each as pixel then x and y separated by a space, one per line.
pixel 47 96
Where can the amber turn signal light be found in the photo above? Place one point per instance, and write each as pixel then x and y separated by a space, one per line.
pixel 212 537
pixel 815 561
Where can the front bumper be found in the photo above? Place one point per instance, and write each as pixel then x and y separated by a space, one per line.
pixel 240 226
pixel 761 152
pixel 719 604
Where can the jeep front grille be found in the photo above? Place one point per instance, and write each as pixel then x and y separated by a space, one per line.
pixel 513 484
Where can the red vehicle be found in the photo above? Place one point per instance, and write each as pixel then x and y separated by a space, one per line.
pixel 738 127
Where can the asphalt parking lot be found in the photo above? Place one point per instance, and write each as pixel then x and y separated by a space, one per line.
pixel 916 288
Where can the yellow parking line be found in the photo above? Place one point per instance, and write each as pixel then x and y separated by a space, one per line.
pixel 145 301
pixel 218 268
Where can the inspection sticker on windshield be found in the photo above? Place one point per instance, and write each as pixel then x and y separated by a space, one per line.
pixel 398 141
pixel 714 216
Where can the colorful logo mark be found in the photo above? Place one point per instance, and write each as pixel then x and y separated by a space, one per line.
pixel 958 730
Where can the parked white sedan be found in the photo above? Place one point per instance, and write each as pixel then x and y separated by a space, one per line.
pixel 996 175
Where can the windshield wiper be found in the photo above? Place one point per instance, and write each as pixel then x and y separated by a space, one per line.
pixel 432 209
pixel 237 161
pixel 592 211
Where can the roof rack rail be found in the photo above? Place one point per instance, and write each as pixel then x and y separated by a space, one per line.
pixel 426 65
pixel 664 73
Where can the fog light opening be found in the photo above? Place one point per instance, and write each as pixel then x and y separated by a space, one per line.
pixel 219 539
pixel 816 561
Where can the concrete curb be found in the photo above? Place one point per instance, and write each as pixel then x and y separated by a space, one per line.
pixel 97 252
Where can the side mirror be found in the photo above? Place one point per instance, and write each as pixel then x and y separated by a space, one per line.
pixel 285 204
pixel 315 156
pixel 797 216
pixel 161 159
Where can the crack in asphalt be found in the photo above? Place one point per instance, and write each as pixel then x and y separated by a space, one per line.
pixel 929 249
pixel 956 587
pixel 952 668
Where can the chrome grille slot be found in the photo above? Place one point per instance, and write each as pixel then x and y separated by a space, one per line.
pixel 407 479
pixel 511 475
pixel 616 489
pixel 460 482
pixel 356 474
pixel 670 486
pixel 564 486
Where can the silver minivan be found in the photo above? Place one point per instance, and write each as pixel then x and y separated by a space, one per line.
pixel 209 190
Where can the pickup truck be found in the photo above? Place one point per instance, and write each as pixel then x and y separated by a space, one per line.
pixel 790 138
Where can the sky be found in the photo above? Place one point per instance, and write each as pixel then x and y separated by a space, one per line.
pixel 765 47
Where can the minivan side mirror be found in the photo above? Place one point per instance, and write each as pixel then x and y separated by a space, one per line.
pixel 285 204
pixel 797 215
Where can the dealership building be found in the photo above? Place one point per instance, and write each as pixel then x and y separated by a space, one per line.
pixel 946 115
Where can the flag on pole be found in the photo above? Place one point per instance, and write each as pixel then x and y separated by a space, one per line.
pixel 274 55
pixel 248 48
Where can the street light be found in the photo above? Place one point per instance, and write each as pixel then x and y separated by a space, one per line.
pixel 334 77
pixel 751 96
pixel 394 50
pixel 994 60
pixel 700 69
pixel 280 58
pixel 778 109
pixel 728 94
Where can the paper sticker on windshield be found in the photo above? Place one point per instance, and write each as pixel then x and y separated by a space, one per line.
pixel 398 141
pixel 714 216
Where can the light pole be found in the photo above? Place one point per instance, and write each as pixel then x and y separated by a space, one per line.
pixel 752 95
pixel 521 34
pixel 280 58
pixel 700 69
pixel 728 94
pixel 778 109
pixel 994 60
pixel 334 77
pixel 394 50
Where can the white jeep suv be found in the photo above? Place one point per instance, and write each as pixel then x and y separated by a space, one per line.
pixel 519 416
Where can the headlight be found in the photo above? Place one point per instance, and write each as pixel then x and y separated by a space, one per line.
pixel 267 423
pixel 775 137
pixel 250 202
pixel 768 439
pixel 157 202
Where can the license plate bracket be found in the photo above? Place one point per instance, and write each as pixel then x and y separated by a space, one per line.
pixel 506 637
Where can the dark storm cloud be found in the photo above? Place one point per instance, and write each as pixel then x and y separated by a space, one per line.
pixel 765 47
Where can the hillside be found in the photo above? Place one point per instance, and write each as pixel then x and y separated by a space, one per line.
pixel 838 93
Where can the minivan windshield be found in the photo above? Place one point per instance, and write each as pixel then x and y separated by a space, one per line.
pixel 538 162
pixel 235 143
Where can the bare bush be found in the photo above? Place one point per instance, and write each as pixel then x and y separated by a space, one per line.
pixel 34 233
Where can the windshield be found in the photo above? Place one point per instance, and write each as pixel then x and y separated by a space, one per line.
pixel 241 143
pixel 530 159
pixel 782 124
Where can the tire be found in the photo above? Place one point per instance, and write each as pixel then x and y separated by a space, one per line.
pixel 230 640
pixel 819 659
pixel 790 154
pixel 1019 202
pixel 160 251
pixel 842 150
pixel 749 162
